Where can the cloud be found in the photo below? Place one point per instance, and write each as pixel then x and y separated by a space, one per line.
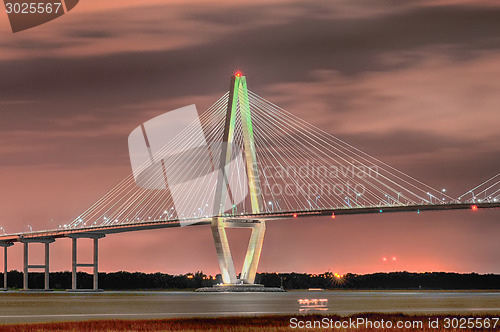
pixel 283 48
pixel 356 71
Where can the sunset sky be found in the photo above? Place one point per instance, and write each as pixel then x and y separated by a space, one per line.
pixel 413 83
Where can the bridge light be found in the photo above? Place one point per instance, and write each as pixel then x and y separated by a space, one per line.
pixel 380 211
pixel 333 215
pixel 474 207
pixel 295 215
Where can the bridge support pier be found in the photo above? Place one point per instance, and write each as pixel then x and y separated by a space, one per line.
pixel 238 101
pixel 5 245
pixel 46 241
pixel 252 256
pixel 94 264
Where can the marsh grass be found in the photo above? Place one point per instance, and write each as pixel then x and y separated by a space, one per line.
pixel 230 324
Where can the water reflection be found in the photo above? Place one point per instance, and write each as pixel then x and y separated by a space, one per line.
pixel 307 305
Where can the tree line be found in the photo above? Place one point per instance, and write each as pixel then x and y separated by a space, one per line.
pixel 161 281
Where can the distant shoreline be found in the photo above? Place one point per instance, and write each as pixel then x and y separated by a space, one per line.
pixel 289 281
pixel 187 290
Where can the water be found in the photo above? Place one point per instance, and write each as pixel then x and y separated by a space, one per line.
pixel 19 307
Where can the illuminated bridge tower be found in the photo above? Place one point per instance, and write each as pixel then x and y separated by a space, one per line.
pixel 238 101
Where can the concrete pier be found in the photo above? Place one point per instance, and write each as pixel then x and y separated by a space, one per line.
pixel 5 245
pixel 94 264
pixel 26 266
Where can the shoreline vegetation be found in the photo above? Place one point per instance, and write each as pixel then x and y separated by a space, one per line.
pixel 290 281
pixel 260 323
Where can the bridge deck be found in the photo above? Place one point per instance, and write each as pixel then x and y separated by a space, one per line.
pixel 60 233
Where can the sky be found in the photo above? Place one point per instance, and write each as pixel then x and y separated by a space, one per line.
pixel 413 83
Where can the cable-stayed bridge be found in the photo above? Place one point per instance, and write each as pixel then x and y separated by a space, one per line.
pixel 240 163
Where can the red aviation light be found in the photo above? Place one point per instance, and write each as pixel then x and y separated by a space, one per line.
pixel 474 207
pixel 238 74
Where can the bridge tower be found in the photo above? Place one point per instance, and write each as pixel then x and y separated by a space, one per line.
pixel 238 102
